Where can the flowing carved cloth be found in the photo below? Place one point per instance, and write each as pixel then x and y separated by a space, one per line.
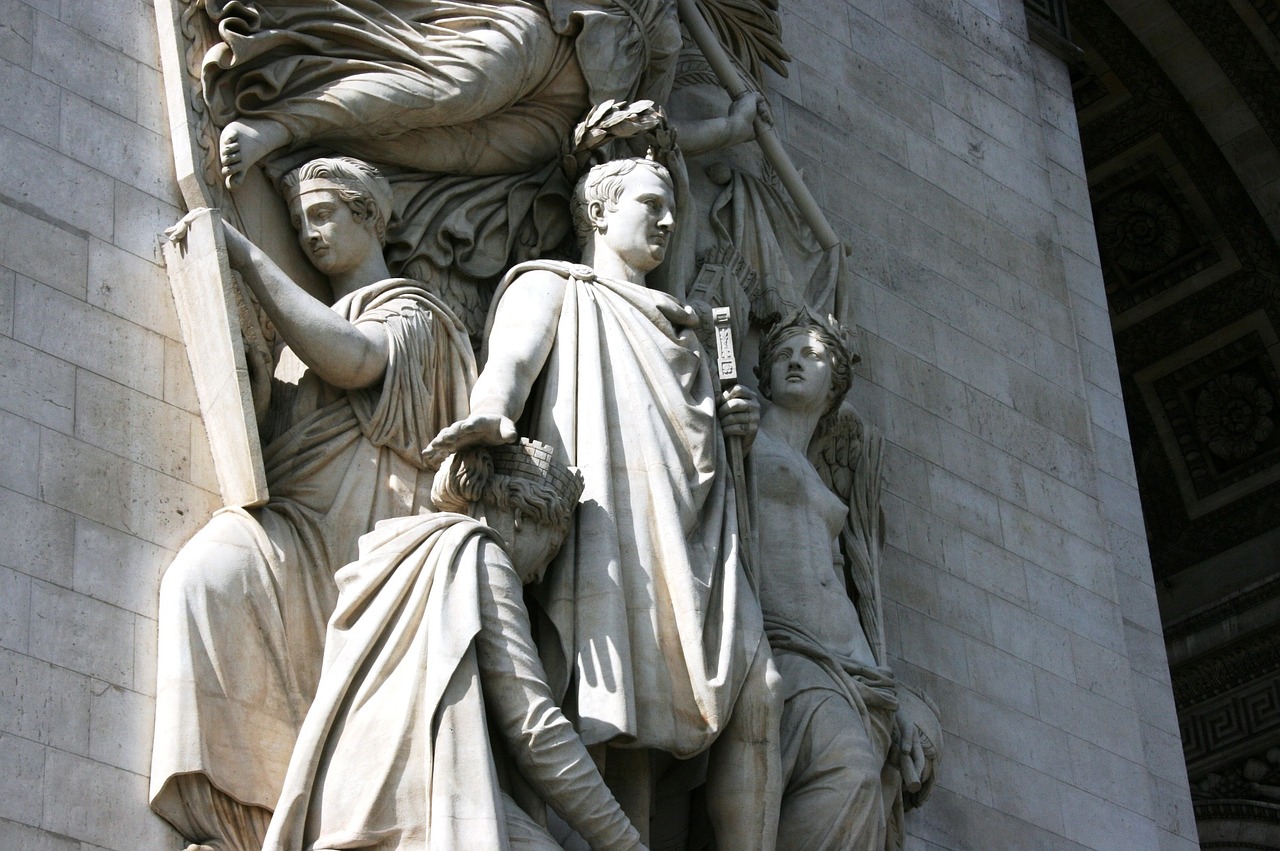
pixel 761 223
pixel 453 86
pixel 837 729
pixel 244 605
pixel 656 623
pixel 428 648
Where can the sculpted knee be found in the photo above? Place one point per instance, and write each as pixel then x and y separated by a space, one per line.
pixel 773 684
pixel 763 687
pixel 218 561
pixel 758 710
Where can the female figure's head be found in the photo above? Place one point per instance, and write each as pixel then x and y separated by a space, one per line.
pixel 806 361
pixel 359 185
pixel 520 491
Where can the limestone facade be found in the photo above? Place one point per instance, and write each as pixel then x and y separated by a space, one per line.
pixel 943 146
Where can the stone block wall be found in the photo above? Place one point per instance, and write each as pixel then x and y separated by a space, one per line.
pixel 104 466
pixel 946 149
pixel 943 146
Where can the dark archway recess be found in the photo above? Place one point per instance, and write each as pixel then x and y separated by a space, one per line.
pixel 1192 271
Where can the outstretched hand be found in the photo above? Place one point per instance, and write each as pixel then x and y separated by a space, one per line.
pixel 178 232
pixel 238 245
pixel 475 430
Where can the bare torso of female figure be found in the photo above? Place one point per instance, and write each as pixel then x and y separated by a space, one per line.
pixel 808 586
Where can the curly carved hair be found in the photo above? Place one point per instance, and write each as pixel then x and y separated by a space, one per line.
pixel 362 187
pixel 522 479
pixel 604 183
pixel 834 336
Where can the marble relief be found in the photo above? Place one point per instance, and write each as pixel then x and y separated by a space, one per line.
pixel 484 578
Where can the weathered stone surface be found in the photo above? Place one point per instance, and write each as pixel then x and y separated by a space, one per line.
pixel 943 148
pixel 208 302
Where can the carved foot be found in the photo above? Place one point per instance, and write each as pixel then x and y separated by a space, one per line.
pixel 244 143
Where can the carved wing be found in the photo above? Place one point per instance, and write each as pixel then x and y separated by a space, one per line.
pixel 849 456
pixel 752 33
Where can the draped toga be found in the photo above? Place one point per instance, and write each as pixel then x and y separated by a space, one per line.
pixel 655 624
pixel 429 649
pixel 244 605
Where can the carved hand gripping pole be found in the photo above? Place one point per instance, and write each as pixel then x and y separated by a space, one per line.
pixel 727 370
pixel 766 136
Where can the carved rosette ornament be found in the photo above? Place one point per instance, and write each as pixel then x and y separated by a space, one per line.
pixel 1140 229
pixel 1231 416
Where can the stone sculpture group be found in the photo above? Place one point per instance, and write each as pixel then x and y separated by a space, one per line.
pixel 525 604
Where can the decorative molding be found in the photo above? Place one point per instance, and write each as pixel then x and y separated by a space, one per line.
pixel 1226 610
pixel 1239 810
pixel 1047 26
pixel 1217 673
pixel 1269 12
pixel 1222 729
pixel 1234 825
pixel 1051 13
pixel 1253 73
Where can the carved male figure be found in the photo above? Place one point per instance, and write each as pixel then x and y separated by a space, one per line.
pixel 361 387
pixel 657 640
pixel 472 87
pixel 842 715
pixel 428 651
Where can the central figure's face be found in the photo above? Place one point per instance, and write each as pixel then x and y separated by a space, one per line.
pixel 331 238
pixel 800 372
pixel 638 227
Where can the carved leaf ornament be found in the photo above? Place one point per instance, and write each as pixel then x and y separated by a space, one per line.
pixel 613 120
pixel 751 32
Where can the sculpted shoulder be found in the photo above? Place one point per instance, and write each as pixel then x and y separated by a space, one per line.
pixel 537 288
